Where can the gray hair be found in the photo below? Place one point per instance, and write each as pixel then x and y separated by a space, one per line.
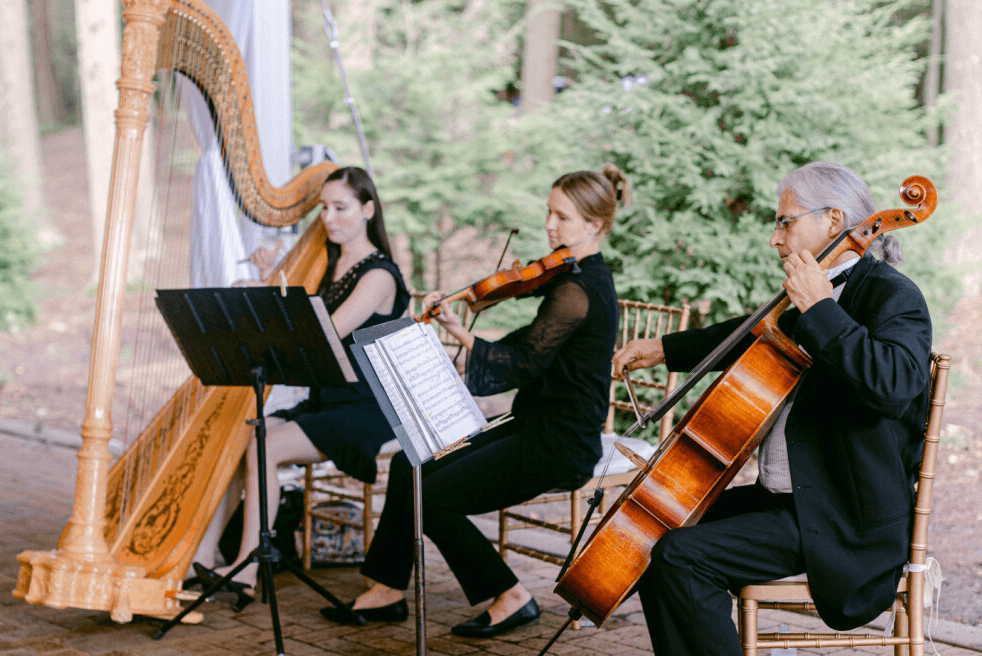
pixel 826 184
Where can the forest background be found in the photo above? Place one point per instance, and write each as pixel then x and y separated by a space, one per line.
pixel 704 105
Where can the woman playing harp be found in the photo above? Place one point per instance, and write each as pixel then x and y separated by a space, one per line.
pixel 362 287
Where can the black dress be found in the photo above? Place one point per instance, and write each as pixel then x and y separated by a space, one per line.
pixel 560 364
pixel 346 423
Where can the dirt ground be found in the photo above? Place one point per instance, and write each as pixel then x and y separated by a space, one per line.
pixel 44 375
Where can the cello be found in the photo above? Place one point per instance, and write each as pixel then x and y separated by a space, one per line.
pixel 711 443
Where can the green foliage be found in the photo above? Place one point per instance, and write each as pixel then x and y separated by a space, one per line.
pixel 17 253
pixel 434 128
pixel 738 95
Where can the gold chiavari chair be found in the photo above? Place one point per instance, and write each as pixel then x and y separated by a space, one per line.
pixel 908 607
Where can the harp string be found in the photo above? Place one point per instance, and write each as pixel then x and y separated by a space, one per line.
pixel 157 368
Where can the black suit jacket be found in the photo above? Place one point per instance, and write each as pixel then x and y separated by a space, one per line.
pixel 855 433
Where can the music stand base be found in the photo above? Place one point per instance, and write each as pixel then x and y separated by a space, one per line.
pixel 265 554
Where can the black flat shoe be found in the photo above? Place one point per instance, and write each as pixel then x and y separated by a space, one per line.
pixel 245 595
pixel 396 612
pixel 481 627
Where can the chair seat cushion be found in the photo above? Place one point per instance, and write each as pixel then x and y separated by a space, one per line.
pixel 618 462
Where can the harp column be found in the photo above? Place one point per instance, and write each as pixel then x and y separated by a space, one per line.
pixel 81 573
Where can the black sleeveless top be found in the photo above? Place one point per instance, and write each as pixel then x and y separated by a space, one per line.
pixel 335 293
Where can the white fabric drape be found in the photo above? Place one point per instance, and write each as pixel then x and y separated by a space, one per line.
pixel 220 235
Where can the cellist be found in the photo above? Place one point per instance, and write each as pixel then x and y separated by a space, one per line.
pixel 835 492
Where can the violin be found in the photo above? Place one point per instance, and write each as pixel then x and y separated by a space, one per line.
pixel 516 282
pixel 706 449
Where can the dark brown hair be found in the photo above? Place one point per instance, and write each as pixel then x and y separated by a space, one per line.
pixel 363 189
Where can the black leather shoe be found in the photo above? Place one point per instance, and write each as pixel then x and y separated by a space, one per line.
pixel 209 577
pixel 395 612
pixel 481 627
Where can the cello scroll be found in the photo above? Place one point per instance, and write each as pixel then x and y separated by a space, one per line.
pixel 915 190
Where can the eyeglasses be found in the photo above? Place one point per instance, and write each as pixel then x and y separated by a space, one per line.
pixel 782 224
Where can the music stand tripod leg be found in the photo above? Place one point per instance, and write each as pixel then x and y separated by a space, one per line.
pixel 215 587
pixel 420 585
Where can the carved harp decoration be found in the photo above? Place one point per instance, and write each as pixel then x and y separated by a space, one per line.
pixel 134 529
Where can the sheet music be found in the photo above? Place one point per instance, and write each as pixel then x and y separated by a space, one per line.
pixel 332 338
pixel 432 384
pixel 396 394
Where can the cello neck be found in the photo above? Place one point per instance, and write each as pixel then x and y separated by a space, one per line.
pixel 769 312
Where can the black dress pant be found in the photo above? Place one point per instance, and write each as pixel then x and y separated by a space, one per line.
pixel 749 535
pixel 496 471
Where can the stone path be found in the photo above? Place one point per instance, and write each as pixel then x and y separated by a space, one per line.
pixel 37 478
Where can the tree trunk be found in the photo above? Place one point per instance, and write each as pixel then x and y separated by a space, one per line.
pixel 50 108
pixel 963 81
pixel 97 29
pixel 932 77
pixel 18 117
pixel 540 53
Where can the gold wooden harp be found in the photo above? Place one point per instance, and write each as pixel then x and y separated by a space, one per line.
pixel 134 530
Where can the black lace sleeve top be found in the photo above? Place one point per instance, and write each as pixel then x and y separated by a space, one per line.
pixel 560 364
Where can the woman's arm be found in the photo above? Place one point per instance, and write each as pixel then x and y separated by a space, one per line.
pixel 524 354
pixel 449 320
pixel 374 292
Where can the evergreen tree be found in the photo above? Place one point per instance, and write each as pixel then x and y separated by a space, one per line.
pixel 706 104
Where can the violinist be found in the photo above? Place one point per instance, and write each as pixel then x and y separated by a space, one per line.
pixel 835 491
pixel 560 364
pixel 362 287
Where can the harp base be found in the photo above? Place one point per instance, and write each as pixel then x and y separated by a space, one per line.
pixel 51 579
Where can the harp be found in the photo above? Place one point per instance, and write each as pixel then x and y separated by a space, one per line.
pixel 134 528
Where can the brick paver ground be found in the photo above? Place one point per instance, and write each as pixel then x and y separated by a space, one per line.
pixel 36 492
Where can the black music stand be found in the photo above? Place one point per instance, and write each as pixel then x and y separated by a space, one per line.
pixel 257 336
pixel 415 452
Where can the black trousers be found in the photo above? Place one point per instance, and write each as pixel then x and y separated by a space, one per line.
pixel 748 536
pixel 494 472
